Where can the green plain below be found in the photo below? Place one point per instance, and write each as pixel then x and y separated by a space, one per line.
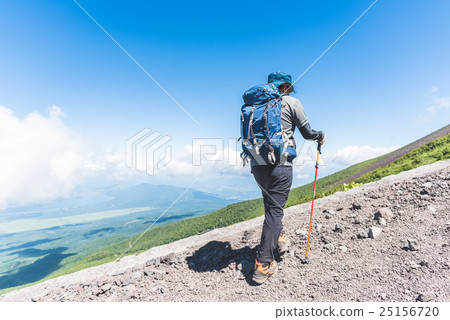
pixel 38 224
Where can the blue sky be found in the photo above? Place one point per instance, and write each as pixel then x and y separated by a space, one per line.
pixel 384 84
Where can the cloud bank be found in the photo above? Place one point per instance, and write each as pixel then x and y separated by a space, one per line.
pixel 41 158
pixel 350 155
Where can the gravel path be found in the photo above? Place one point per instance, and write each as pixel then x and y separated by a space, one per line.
pixel 385 241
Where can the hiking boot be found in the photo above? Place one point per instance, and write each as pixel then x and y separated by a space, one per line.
pixel 263 271
pixel 283 244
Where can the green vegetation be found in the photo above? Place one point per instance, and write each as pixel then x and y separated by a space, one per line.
pixel 435 150
pixel 348 186
pixel 438 149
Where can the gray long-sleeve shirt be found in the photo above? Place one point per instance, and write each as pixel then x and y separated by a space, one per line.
pixel 292 116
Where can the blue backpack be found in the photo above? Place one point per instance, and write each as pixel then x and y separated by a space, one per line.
pixel 263 138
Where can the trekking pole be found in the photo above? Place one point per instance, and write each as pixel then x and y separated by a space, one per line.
pixel 312 203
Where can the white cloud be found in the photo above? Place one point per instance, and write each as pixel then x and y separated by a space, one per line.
pixel 350 155
pixel 42 159
pixel 436 104
pixel 205 158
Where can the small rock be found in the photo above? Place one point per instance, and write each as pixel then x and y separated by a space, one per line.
pixel 382 222
pixel 373 195
pixel 326 239
pixel 118 280
pixel 384 213
pixel 356 206
pixel 427 185
pixel 431 209
pixel 339 208
pixel 425 297
pixel 329 246
pixel 343 248
pixel 383 295
pixel 362 235
pixel 248 234
pixel 245 266
pixel 318 227
pixel 413 245
pixel 169 259
pixel 303 234
pixel 153 262
pixel 338 228
pixel 374 232
pixel 102 282
pixel 127 281
pixel 105 287
pixel 96 291
pixel 423 263
pixel 330 212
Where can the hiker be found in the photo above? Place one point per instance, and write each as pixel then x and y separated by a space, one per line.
pixel 275 178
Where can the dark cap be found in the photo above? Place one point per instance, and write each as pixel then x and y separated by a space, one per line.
pixel 279 77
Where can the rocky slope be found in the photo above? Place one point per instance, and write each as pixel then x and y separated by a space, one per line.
pixel 384 241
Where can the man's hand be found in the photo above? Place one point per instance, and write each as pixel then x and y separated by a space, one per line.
pixel 321 142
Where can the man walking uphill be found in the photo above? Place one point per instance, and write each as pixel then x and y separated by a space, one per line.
pixel 275 177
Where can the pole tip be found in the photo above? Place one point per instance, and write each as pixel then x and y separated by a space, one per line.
pixel 305 260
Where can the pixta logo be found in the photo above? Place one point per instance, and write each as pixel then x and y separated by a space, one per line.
pixel 148 151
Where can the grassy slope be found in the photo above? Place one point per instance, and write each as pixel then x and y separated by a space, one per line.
pixel 438 149
pixel 394 155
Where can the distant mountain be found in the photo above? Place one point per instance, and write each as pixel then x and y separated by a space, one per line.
pixel 116 197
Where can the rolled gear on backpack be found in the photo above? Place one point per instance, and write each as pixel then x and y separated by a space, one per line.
pixel 263 138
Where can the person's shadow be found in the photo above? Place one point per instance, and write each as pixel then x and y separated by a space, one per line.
pixel 218 255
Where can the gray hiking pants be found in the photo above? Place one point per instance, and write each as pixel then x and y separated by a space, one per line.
pixel 275 183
